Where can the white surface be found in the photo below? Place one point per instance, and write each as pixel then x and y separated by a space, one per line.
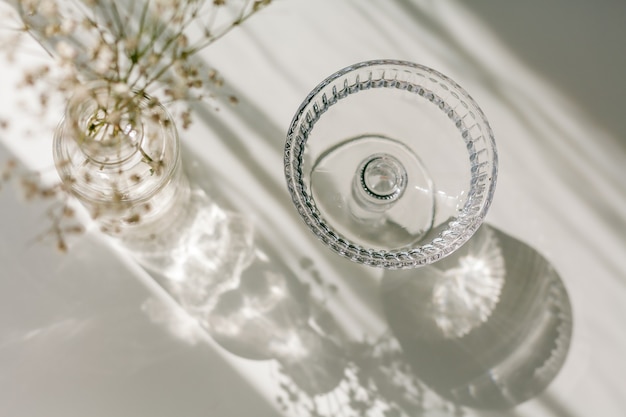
pixel 74 340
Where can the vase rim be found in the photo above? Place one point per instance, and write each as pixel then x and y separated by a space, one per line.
pixel 65 148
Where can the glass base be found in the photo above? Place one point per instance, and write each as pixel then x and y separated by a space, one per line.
pixel 374 191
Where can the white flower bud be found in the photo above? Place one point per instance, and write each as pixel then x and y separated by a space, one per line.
pixel 121 88
pixel 48 8
pixel 66 51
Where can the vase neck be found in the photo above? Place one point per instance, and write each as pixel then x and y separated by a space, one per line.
pixel 115 149
pixel 106 125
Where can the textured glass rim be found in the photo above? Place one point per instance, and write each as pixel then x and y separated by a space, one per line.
pixel 448 240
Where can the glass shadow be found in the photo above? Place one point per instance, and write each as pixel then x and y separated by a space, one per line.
pixel 488 327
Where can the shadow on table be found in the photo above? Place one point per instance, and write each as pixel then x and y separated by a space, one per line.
pixel 488 327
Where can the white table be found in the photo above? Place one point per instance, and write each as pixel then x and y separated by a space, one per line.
pixel 93 334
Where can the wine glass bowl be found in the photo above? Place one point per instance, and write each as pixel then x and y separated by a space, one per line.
pixel 391 163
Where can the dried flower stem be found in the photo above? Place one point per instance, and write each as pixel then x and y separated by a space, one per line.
pixel 140 51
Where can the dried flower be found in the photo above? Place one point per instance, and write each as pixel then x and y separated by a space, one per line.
pixel 137 49
pixel 145 47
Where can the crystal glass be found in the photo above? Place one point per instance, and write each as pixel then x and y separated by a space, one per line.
pixel 391 164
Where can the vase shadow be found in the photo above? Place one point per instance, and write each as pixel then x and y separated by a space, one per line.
pixel 200 255
pixel 270 314
pixel 488 327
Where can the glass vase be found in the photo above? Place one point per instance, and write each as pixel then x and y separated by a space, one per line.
pixel 118 153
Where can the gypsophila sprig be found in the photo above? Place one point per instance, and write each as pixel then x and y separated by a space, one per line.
pixel 60 211
pixel 145 46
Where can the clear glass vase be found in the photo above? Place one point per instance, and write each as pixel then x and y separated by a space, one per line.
pixel 118 153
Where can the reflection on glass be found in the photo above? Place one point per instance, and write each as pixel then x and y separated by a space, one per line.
pixel 488 327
